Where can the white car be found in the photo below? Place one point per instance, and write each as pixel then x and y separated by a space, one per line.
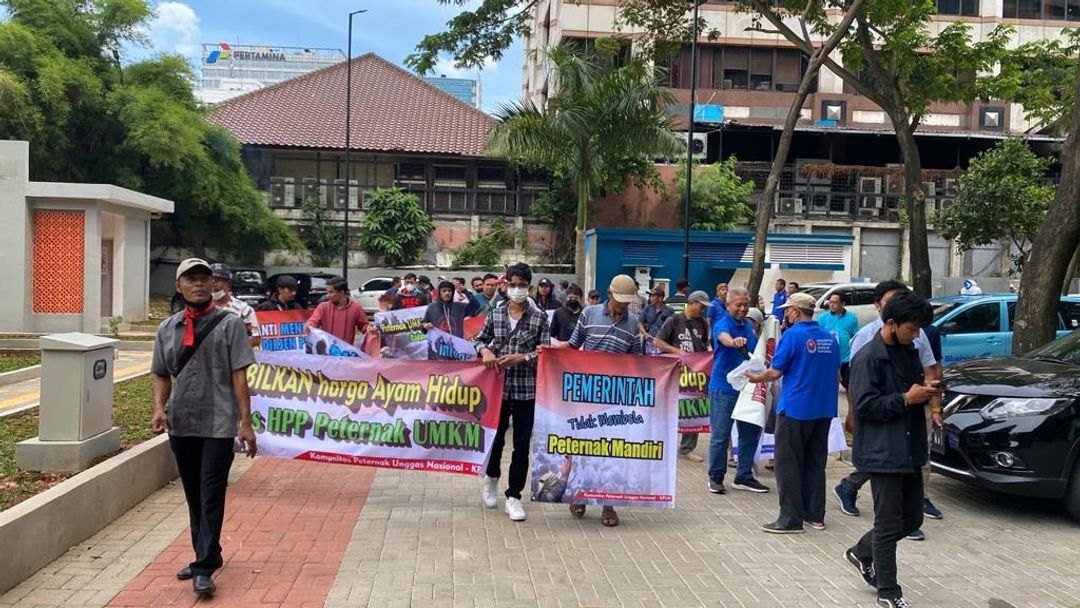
pixel 858 298
pixel 370 291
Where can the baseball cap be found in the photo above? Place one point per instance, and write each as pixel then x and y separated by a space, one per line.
pixel 755 314
pixel 546 281
pixel 700 297
pixel 657 291
pixel 191 264
pixel 502 279
pixel 623 289
pixel 800 300
pixel 221 271
pixel 287 281
pixel 594 293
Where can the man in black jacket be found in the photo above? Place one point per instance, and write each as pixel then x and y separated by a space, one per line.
pixel 889 394
pixel 284 297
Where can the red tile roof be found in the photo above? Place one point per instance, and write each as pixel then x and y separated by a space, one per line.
pixel 392 110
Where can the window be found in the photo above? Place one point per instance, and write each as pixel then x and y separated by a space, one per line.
pixel 450 176
pixel 413 172
pixel 966 8
pixel 1022 9
pixel 736 68
pixel 861 297
pixel 1070 315
pixel 981 318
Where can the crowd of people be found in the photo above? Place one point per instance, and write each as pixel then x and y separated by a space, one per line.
pixel 889 370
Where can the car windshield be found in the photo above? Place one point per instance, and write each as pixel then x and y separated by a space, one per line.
pixel 942 308
pixel 1065 349
pixel 247 277
pixel 816 292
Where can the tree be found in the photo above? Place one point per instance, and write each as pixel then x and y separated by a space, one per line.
pixel 486 250
pixel 719 198
pixel 395 226
pixel 1000 197
pixel 88 118
pixel 321 235
pixel 599 117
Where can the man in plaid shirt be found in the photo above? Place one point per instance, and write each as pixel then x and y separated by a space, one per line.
pixel 509 340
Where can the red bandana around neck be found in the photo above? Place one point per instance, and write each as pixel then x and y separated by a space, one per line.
pixel 189 322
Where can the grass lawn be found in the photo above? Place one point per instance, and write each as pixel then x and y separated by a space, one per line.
pixel 12 361
pixel 133 402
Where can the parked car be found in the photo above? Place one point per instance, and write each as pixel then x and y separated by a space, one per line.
pixel 310 288
pixel 249 285
pixel 1012 424
pixel 859 298
pixel 369 291
pixel 981 326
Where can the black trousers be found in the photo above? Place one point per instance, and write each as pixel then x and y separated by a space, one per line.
pixel 522 412
pixel 855 481
pixel 802 449
pixel 204 464
pixel 898 511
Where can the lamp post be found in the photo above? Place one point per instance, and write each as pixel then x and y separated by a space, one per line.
pixel 348 145
pixel 690 146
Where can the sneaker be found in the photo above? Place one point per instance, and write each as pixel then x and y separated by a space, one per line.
pixel 515 509
pixel 750 485
pixel 917 535
pixel 893 602
pixel 930 510
pixel 847 500
pixel 693 457
pixel 816 525
pixel 866 569
pixel 716 485
pixel 490 493
pixel 776 528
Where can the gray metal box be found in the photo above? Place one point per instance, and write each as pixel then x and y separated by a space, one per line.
pixel 76 386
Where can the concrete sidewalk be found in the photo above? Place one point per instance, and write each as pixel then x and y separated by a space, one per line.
pixel 26 394
pixel 309 534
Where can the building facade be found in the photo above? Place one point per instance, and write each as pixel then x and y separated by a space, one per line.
pixel 844 174
pixel 228 70
pixel 404 133
pixel 465 89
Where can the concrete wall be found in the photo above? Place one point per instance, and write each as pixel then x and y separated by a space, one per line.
pixel 15 233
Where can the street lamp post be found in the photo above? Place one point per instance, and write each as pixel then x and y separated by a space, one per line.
pixel 348 146
pixel 690 146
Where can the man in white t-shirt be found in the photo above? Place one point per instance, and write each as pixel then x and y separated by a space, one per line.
pixel 221 283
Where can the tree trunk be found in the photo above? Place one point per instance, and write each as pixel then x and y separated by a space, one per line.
pixel 1074 266
pixel 1054 245
pixel 765 206
pixel 915 203
pixel 579 247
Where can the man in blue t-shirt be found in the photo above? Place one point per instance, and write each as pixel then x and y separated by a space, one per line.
pixel 733 340
pixel 718 307
pixel 843 325
pixel 808 358
pixel 779 298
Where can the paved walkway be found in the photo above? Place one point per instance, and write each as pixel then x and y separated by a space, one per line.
pixel 26 394
pixel 307 534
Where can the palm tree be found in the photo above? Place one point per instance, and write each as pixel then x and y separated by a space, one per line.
pixel 600 114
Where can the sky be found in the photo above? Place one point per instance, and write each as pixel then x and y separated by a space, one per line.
pixel 390 28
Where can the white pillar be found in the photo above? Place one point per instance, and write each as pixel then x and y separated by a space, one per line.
pixel 14 234
pixel 856 252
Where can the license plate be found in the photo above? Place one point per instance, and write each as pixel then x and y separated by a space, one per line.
pixel 937 440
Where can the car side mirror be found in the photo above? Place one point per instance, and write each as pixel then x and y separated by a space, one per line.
pixel 949 328
pixel 824 305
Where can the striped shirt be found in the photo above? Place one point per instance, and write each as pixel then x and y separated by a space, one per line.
pixel 597 331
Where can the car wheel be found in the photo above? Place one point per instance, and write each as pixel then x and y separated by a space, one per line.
pixel 1072 494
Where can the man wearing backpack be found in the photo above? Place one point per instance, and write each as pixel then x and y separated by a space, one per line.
pixel 200 362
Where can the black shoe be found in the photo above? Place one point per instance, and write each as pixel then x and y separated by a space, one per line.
pixel 866 569
pixel 893 602
pixel 184 574
pixel 203 585
pixel 776 528
pixel 750 485
pixel 716 486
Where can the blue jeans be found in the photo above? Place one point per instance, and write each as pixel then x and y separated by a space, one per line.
pixel 720 409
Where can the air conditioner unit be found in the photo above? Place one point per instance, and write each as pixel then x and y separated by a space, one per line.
pixel 869 185
pixel 282 191
pixel 354 194
pixel 314 187
pixel 791 206
pixel 699 147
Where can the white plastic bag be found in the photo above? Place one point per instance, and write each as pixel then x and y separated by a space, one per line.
pixel 737 377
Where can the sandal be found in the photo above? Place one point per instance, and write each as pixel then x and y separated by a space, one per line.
pixel 577 511
pixel 609 518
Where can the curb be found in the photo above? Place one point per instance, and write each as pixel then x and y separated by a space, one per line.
pixel 32 344
pixel 19 375
pixel 45 526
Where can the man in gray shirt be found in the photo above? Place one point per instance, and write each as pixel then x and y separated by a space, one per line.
pixel 201 356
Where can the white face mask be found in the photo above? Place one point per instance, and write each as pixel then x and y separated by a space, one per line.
pixel 217 295
pixel 517 294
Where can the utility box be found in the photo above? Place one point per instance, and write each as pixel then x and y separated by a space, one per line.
pixel 75 413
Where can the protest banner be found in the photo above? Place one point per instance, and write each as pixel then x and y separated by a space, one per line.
pixel 441 416
pixel 403 332
pixel 282 330
pixel 695 369
pixel 319 342
pixel 448 347
pixel 756 400
pixel 605 438
pixel 472 326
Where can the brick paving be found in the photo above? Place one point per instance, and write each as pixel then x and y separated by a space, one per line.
pixel 360 538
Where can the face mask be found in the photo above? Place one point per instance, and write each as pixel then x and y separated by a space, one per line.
pixel 217 295
pixel 517 294
pixel 409 287
pixel 573 305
